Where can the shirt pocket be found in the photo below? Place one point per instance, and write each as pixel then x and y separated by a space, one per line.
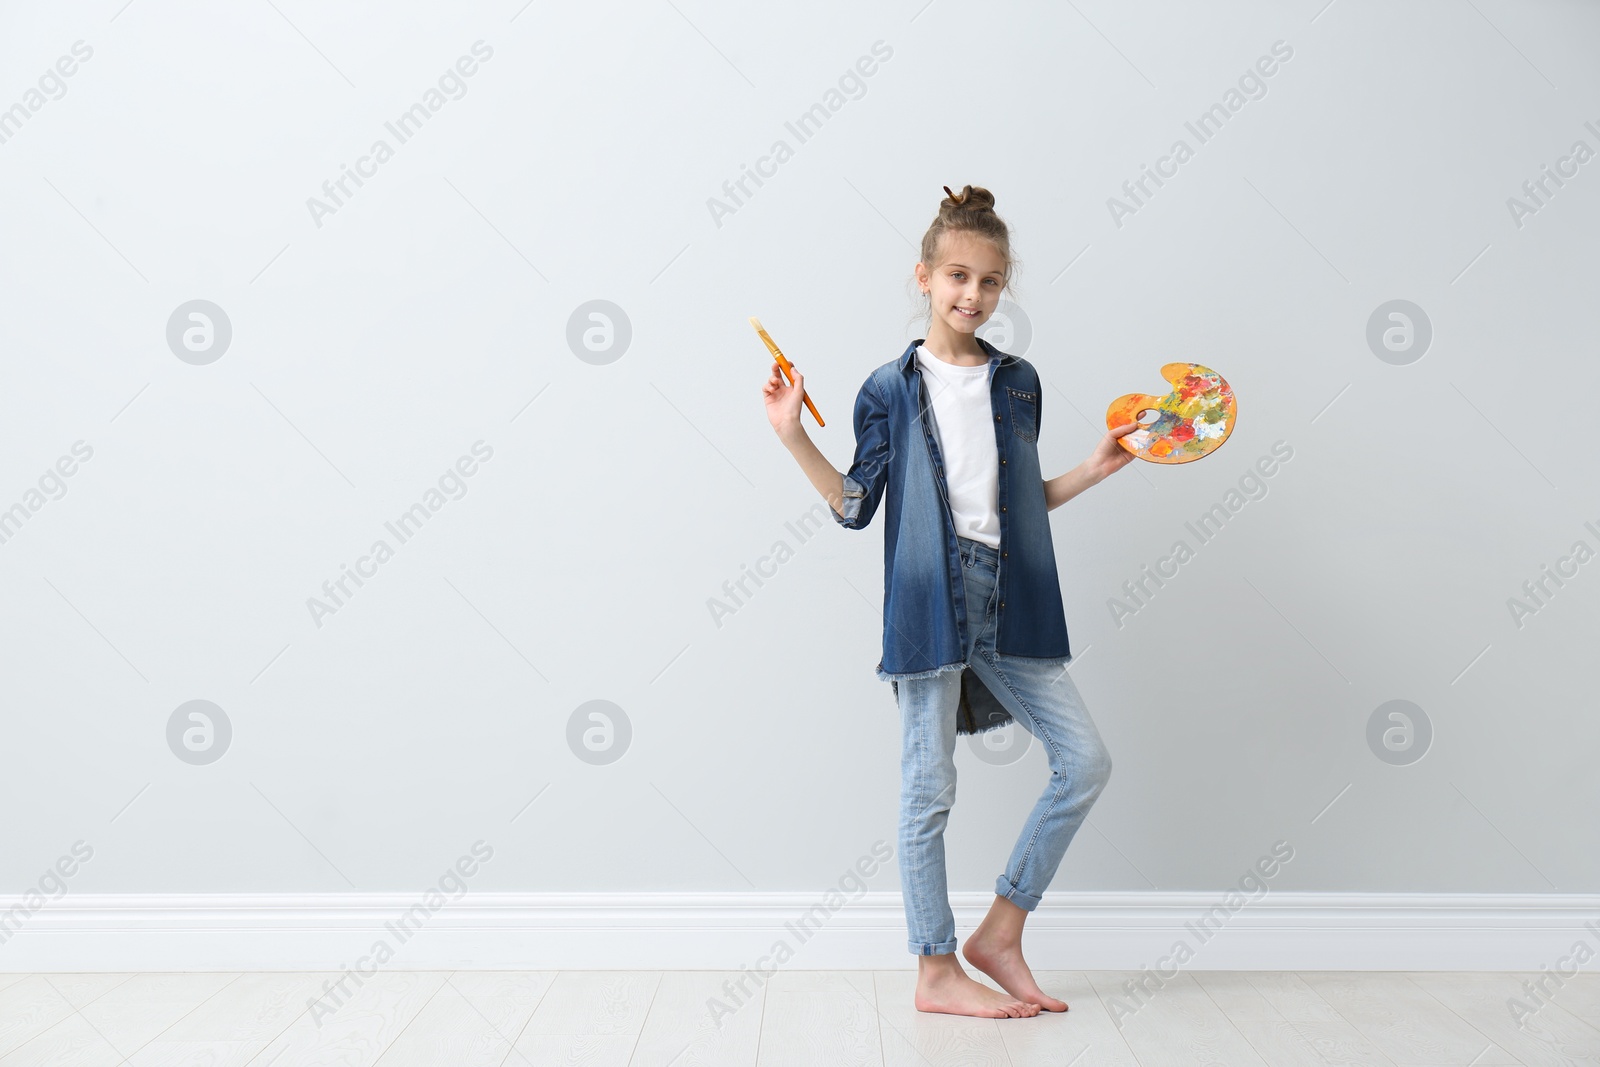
pixel 1024 413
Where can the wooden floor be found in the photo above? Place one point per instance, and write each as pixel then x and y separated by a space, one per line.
pixel 799 1018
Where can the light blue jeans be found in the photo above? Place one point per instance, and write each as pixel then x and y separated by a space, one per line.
pixel 1045 701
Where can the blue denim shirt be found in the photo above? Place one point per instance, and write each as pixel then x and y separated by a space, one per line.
pixel 924 602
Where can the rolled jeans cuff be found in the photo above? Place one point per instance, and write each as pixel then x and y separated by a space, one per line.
pixel 1021 898
pixel 922 948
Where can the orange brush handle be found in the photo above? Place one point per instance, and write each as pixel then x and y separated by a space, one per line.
pixel 785 366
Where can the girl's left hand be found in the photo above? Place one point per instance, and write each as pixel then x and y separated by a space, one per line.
pixel 1108 456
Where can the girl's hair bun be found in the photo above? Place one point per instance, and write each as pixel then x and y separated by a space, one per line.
pixel 970 198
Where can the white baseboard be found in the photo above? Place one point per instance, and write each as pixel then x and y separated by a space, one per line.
pixel 734 931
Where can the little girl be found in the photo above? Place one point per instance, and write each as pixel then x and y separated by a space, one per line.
pixel 974 634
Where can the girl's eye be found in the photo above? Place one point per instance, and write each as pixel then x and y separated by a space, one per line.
pixel 957 274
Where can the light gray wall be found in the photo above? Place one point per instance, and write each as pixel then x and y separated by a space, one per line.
pixel 372 347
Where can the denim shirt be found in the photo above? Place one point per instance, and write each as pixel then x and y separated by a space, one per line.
pixel 925 624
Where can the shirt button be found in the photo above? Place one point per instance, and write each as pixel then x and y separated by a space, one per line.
pixel 1005 555
pixel 1002 507
pixel 997 418
pixel 1002 463
pixel 1002 605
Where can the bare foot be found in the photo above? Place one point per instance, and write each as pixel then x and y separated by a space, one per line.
pixel 947 988
pixel 1001 959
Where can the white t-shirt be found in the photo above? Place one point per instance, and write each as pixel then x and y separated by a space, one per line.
pixel 964 425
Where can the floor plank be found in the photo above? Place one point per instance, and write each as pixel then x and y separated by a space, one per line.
pixel 603 1003
pixel 587 1019
pixel 1174 1024
pixel 1292 1027
pixel 1551 1037
pixel 229 1029
pixel 81 990
pixel 473 1021
pixel 1403 1020
pixel 702 1019
pixel 134 1012
pixel 1580 996
pixel 164 1053
pixel 70 1043
pixel 353 1030
pixel 803 1027
pixel 27 1009
pixel 573 1050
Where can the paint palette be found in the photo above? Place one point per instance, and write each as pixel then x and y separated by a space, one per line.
pixel 1191 421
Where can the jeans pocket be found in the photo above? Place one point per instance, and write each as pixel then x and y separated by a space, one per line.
pixel 1024 413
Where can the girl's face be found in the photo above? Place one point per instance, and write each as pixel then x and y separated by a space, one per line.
pixel 964 289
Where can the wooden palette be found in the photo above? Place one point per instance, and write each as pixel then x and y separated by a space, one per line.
pixel 1191 422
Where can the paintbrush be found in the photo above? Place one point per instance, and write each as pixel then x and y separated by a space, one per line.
pixel 785 366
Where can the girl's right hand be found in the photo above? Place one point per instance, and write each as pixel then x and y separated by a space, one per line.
pixel 783 400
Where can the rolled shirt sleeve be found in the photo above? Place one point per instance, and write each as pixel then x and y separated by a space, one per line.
pixel 869 470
